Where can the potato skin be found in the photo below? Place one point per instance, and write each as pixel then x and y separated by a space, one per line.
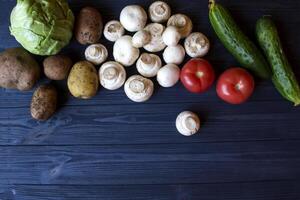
pixel 89 26
pixel 44 102
pixel 83 80
pixel 18 69
pixel 57 67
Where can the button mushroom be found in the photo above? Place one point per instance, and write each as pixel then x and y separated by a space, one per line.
pixel 133 18
pixel 156 44
pixel 112 75
pixel 183 23
pixel 138 88
pixel 174 54
pixel 96 53
pixel 148 65
pixel 113 30
pixel 196 45
pixel 187 123
pixel 168 75
pixel 124 52
pixel 141 38
pixel 159 11
pixel 171 36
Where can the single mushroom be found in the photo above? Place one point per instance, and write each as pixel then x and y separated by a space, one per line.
pixel 96 53
pixel 187 123
pixel 183 23
pixel 156 44
pixel 141 38
pixel 124 52
pixel 148 65
pixel 196 45
pixel 159 12
pixel 168 75
pixel 171 36
pixel 174 54
pixel 113 30
pixel 138 88
pixel 133 18
pixel 112 75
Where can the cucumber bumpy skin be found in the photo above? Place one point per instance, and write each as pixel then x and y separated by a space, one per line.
pixel 283 76
pixel 236 42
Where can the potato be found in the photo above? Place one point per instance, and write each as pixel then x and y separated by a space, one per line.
pixel 89 26
pixel 18 69
pixel 83 80
pixel 44 102
pixel 57 67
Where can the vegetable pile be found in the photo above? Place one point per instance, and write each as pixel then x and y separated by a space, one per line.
pixel 45 27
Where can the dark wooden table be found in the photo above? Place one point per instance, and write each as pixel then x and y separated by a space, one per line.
pixel 110 148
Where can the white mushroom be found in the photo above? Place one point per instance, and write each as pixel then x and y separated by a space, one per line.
pixel 168 75
pixel 124 52
pixel 196 45
pixel 159 11
pixel 96 53
pixel 187 123
pixel 113 30
pixel 174 54
pixel 138 88
pixel 141 38
pixel 156 44
pixel 171 36
pixel 148 65
pixel 183 23
pixel 133 18
pixel 112 75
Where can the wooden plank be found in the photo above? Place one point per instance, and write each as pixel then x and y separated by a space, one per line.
pixel 142 123
pixel 150 164
pixel 269 190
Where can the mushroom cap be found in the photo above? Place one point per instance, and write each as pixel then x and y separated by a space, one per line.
pixel 187 123
pixel 171 36
pixel 196 45
pixel 183 23
pixel 148 65
pixel 113 30
pixel 124 52
pixel 141 38
pixel 159 12
pixel 96 53
pixel 138 88
pixel 156 44
pixel 174 54
pixel 133 18
pixel 168 75
pixel 112 75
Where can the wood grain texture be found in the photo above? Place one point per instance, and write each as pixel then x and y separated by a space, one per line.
pixel 150 164
pixel 265 190
pixel 110 148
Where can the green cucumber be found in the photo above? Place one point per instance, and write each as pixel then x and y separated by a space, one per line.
pixel 283 76
pixel 236 42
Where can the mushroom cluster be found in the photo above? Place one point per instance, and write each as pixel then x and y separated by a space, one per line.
pixel 170 34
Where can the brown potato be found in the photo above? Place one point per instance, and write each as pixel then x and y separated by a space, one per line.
pixel 44 102
pixel 89 26
pixel 18 69
pixel 57 67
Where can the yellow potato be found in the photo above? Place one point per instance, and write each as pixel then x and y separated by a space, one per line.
pixel 83 80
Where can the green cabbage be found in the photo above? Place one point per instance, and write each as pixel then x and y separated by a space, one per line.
pixel 43 27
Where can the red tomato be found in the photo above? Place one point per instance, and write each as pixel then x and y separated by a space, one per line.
pixel 235 86
pixel 197 75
